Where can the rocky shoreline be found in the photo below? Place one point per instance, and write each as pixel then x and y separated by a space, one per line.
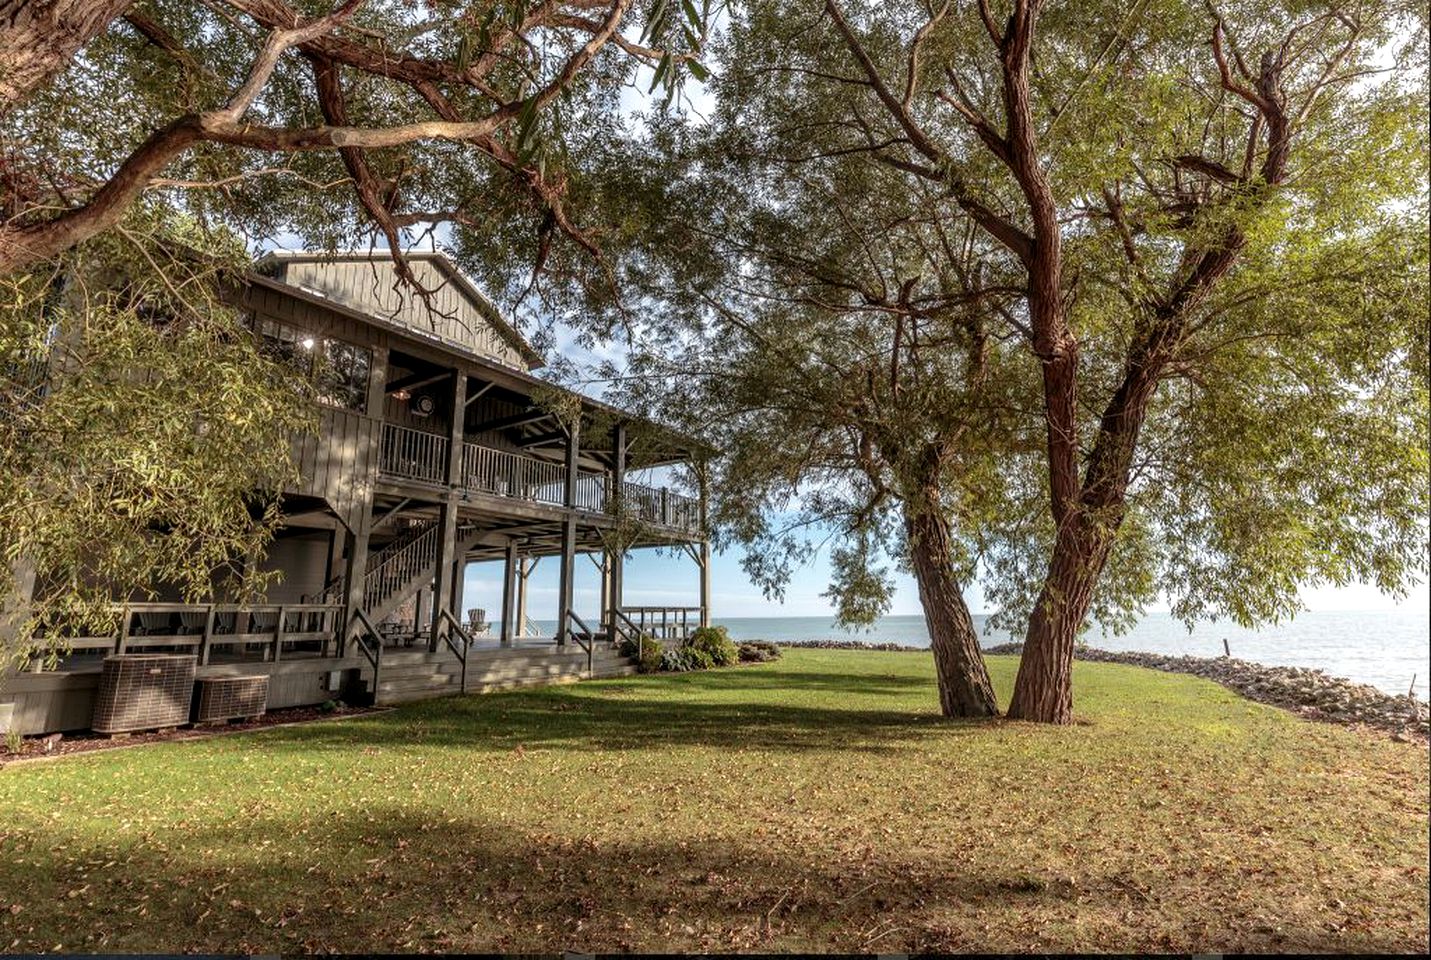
pixel 1310 693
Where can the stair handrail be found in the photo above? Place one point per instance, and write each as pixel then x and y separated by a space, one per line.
pixel 374 653
pixel 398 551
pixel 622 618
pixel 444 614
pixel 586 644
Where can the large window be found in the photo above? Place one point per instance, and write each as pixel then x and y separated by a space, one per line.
pixel 343 375
pixel 339 370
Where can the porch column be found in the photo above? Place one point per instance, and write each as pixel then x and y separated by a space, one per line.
pixel 417 605
pixel 568 538
pixel 509 591
pixel 525 567
pixel 459 587
pixel 447 542
pixel 357 569
pixel 618 556
pixel 607 624
pixel 704 560
pixel 360 515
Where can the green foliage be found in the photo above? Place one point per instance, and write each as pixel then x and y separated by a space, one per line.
pixel 143 437
pixel 686 659
pixel 758 651
pixel 647 653
pixel 715 643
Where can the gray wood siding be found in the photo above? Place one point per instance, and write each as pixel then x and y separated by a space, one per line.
pixel 371 286
pixel 488 408
pixel 339 461
pixel 303 562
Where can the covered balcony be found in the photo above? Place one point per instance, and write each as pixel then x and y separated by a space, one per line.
pixel 421 456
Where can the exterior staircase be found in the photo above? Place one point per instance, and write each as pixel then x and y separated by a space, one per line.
pixel 409 675
pixel 406 565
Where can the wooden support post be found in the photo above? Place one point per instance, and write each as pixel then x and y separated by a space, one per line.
pixel 704 561
pixel 123 638
pixel 357 569
pixel 208 637
pixel 509 591
pixel 524 573
pixel 447 544
pixel 618 484
pixel 459 587
pixel 278 633
pixel 606 618
pixel 566 583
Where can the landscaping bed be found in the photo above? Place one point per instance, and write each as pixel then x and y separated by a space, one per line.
pixel 816 803
pixel 63 744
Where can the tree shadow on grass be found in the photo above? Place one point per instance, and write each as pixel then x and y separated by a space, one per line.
pixel 586 720
pixel 427 876
pixel 755 678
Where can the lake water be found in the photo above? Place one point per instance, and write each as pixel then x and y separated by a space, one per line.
pixel 1384 649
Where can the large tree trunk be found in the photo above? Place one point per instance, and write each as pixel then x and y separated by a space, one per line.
pixel 1043 689
pixel 964 686
pixel 38 38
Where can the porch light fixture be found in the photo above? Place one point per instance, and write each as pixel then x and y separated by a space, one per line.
pixel 401 394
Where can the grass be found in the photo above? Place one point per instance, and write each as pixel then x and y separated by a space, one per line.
pixel 816 803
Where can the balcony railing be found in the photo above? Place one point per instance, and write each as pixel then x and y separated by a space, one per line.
pixel 508 474
pixel 415 455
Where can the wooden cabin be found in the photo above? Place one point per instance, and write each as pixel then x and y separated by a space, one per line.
pixel 436 447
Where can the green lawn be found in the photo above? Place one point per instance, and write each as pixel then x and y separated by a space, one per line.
pixel 812 804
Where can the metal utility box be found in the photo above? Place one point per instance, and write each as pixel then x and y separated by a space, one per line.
pixel 143 691
pixel 231 698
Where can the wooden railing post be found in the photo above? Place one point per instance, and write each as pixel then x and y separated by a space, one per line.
pixel 123 639
pixel 278 631
pixel 207 638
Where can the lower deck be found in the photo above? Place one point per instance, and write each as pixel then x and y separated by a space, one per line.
pixel 61 700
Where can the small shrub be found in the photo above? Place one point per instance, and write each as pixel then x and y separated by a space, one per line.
pixel 685 659
pixel 698 658
pixel 13 741
pixel 648 656
pixel 758 651
pixel 675 661
pixel 714 643
pixel 328 706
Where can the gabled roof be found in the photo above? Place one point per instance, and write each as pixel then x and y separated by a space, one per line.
pixel 678 446
pixel 439 260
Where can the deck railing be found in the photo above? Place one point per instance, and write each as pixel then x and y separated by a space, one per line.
pixel 508 474
pixel 663 623
pixel 414 454
pixel 266 631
